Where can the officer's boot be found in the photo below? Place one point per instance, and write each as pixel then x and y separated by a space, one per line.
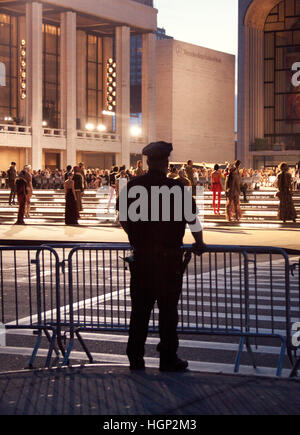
pixel 135 355
pixel 172 364
pixel 169 361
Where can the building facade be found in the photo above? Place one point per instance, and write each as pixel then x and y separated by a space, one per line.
pixel 195 101
pixel 95 83
pixel 136 67
pixel 269 89
pixel 65 81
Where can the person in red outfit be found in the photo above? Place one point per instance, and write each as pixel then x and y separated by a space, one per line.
pixel 216 187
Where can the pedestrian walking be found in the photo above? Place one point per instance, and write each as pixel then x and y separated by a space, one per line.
pixel 173 172
pixel 11 178
pixel 286 210
pixel 190 175
pixel 21 189
pixel 233 191
pixel 82 171
pixel 29 189
pixel 3 180
pixel 71 208
pixel 244 184
pixel 79 187
pixel 68 171
pixel 112 184
pixel 183 178
pixel 139 171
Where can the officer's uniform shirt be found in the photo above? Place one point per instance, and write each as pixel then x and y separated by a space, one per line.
pixel 152 235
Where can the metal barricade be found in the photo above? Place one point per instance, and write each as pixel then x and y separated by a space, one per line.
pixel 61 290
pixel 98 291
pixel 268 282
pixel 30 294
pixel 221 295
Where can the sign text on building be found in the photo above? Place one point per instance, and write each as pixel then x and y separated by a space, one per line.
pixel 296 75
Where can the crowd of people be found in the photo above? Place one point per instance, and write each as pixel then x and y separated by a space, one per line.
pixel 232 179
pixel 95 178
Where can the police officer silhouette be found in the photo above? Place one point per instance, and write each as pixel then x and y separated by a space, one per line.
pixel 157 265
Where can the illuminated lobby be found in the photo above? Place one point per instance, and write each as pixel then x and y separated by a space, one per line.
pixel 65 82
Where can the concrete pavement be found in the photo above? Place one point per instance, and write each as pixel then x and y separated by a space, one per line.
pixel 114 390
pixel 288 238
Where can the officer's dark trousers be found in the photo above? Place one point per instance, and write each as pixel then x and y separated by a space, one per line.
pixel 155 277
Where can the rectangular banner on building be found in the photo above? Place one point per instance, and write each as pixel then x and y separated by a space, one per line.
pixel 293 99
pixel 2 74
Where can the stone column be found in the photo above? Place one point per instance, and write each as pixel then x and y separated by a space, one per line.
pixel 63 163
pixel 27 157
pixel 119 160
pixel 34 55
pixel 148 87
pixel 123 91
pixel 256 83
pixel 251 90
pixel 68 83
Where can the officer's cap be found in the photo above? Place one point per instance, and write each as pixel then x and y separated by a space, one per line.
pixel 158 150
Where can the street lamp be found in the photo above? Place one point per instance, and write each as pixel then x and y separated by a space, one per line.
pixel 89 126
pixel 101 127
pixel 135 131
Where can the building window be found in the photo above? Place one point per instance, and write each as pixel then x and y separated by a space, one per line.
pixel 9 102
pixel 2 74
pixel 281 98
pixel 51 76
pixel 135 75
pixel 94 80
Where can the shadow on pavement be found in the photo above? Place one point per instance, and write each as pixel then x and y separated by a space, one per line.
pixel 99 390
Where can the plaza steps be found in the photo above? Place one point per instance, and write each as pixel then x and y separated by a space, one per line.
pixel 48 207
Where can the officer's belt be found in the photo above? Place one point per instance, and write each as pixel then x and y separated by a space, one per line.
pixel 157 249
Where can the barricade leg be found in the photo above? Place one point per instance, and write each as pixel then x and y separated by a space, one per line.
pixel 282 354
pixel 244 341
pixel 296 367
pixel 52 347
pixel 35 349
pixel 59 343
pixel 67 353
pixel 52 341
pixel 50 351
pixel 81 341
pixel 239 354
pixel 250 353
